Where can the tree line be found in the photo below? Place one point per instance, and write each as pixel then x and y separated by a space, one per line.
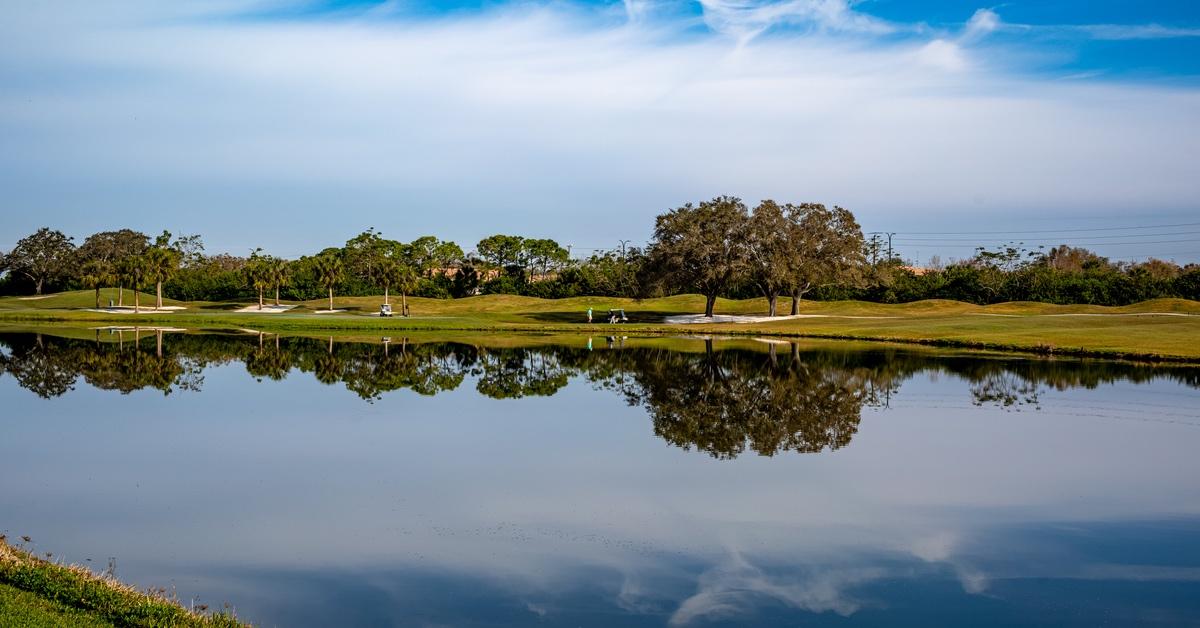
pixel 717 248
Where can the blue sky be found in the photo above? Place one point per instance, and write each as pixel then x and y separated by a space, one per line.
pixel 294 125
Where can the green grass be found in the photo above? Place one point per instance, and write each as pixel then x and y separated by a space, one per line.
pixel 37 592
pixel 1139 331
pixel 29 610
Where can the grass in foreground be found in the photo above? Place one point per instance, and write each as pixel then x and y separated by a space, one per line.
pixel 36 592
pixel 1161 329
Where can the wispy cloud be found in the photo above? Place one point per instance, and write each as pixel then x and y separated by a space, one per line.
pixel 736 587
pixel 746 19
pixel 534 108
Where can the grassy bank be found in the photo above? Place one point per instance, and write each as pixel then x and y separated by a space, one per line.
pixel 1162 329
pixel 36 593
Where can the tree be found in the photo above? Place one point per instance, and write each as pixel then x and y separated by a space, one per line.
pixel 544 255
pixel 112 246
pixel 329 270
pixel 132 269
pixel 363 252
pixel 501 251
pixel 386 273
pixel 96 274
pixel 258 275
pixel 702 247
pixel 429 253
pixel 160 265
pixel 406 282
pixel 279 274
pixel 771 251
pixel 828 248
pixel 43 256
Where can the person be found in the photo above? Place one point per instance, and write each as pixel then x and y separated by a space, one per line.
pixel 589 315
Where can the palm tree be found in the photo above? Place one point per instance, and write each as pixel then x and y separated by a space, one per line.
pixel 124 271
pixel 256 274
pixel 96 274
pixel 161 264
pixel 329 270
pixel 386 270
pixel 407 281
pixel 279 273
pixel 133 270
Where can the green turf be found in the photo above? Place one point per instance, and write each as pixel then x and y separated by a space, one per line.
pixel 1140 331
pixel 28 610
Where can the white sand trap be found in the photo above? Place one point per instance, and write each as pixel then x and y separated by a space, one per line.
pixel 266 309
pixel 43 296
pixel 328 311
pixel 692 319
pixel 129 310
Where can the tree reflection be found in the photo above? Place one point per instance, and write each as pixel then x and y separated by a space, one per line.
pixel 781 397
pixel 723 404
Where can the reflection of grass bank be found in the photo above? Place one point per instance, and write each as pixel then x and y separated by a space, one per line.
pixel 1163 329
pixel 36 593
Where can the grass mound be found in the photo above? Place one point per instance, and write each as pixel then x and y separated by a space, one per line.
pixel 78 299
pixel 38 592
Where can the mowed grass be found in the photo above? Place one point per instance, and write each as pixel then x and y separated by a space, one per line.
pixel 1157 329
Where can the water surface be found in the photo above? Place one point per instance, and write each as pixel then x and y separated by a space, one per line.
pixel 496 481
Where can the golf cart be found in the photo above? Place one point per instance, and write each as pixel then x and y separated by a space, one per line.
pixel 385 310
pixel 617 316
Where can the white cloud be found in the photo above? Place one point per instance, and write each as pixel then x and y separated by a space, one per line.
pixel 981 24
pixel 736 587
pixel 533 109
pixel 746 19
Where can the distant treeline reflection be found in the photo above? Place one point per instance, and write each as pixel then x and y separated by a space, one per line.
pixel 723 401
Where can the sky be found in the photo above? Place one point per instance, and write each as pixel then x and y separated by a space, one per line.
pixel 293 125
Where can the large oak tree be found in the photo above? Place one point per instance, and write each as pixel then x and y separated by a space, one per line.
pixel 702 247
pixel 43 256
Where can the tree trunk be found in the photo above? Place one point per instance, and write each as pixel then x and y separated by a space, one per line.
pixel 158 295
pixel 97 297
pixel 39 286
pixel 120 295
pixel 260 298
pixel 276 296
pixel 772 299
pixel 385 294
pixel 404 303
pixel 709 301
pixel 137 302
pixel 795 303
pixel 331 299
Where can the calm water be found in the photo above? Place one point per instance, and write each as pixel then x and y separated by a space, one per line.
pixel 506 481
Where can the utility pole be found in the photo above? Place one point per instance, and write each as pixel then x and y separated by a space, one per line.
pixel 889 235
pixel 623 243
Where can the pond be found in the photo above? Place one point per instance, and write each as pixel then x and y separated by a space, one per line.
pixel 576 481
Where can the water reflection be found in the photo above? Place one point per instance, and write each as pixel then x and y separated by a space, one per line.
pixel 514 481
pixel 719 398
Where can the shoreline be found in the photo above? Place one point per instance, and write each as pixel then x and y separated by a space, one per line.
pixel 1164 330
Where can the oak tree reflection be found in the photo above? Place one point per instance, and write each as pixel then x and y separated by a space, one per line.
pixel 777 398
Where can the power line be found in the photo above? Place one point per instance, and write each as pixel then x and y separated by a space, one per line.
pixel 1109 237
pixel 967 246
pixel 1182 224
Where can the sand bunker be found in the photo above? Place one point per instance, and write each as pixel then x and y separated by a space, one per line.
pixel 328 311
pixel 266 309
pixel 166 309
